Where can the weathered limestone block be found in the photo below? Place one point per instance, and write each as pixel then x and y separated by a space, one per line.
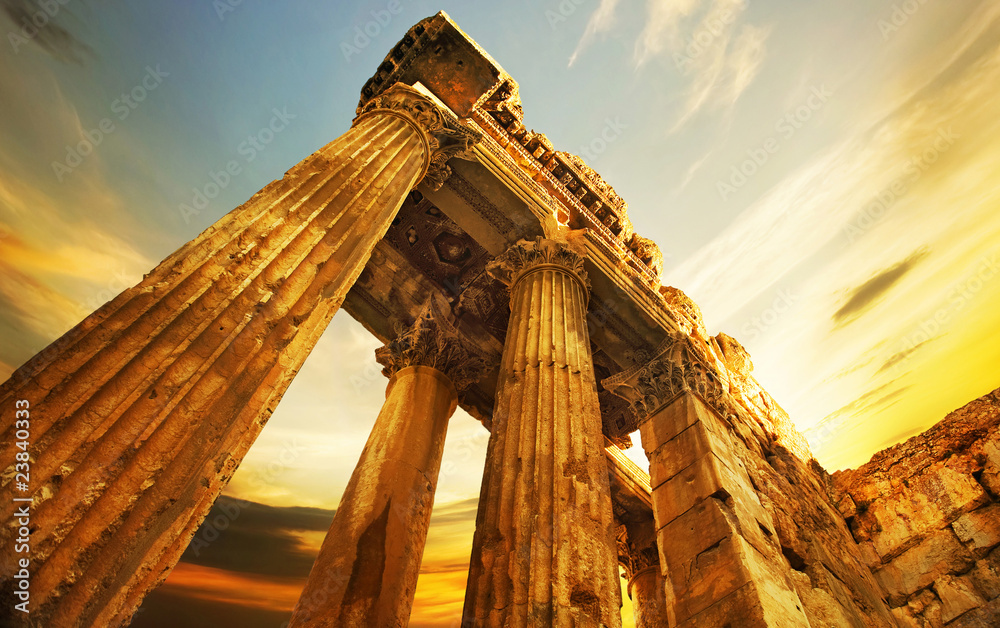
pixel 990 478
pixel 737 358
pixel 986 616
pixel 685 310
pixel 713 532
pixel 753 604
pixel 958 595
pixel 721 479
pixel 931 501
pixel 847 507
pixel 822 609
pixel 544 551
pixel 965 435
pixel 683 450
pixel 980 529
pixel 917 568
pixel 869 556
pixel 986 575
pixel 991 445
pixel 922 611
pixel 704 525
pixel 721 570
pixel 706 477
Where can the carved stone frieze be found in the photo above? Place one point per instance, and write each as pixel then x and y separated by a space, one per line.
pixel 446 137
pixel 526 255
pixel 432 341
pixel 482 204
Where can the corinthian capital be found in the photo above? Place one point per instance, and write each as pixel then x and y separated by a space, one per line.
pixel 675 369
pixel 432 341
pixel 527 255
pixel 443 135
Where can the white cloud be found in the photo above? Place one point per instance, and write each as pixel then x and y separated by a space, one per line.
pixel 600 22
pixel 718 57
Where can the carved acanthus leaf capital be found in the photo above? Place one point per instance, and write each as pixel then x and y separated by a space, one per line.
pixel 675 369
pixel 636 554
pixel 526 255
pixel 432 341
pixel 446 137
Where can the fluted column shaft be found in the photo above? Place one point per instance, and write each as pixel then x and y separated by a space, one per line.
pixel 366 571
pixel 143 411
pixel 544 550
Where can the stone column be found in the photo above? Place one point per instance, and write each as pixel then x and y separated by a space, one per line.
pixel 638 554
pixel 366 572
pixel 142 412
pixel 647 590
pixel 544 549
pixel 717 552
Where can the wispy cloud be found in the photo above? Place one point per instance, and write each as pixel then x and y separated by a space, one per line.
pixel 862 297
pixel 718 57
pixel 50 36
pixel 795 235
pixel 600 22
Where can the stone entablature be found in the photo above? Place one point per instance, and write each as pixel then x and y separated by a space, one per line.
pixel 579 195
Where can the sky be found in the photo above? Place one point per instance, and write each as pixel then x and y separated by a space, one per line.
pixel 821 177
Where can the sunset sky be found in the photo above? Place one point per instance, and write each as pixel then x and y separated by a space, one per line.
pixel 823 179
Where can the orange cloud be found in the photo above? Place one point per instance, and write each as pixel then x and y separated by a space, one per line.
pixel 219 585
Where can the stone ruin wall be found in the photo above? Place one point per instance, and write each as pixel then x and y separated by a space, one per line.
pixel 808 552
pixel 926 517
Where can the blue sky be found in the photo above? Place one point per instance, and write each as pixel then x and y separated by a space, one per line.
pixel 821 178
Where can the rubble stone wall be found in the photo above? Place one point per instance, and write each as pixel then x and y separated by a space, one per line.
pixel 926 515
